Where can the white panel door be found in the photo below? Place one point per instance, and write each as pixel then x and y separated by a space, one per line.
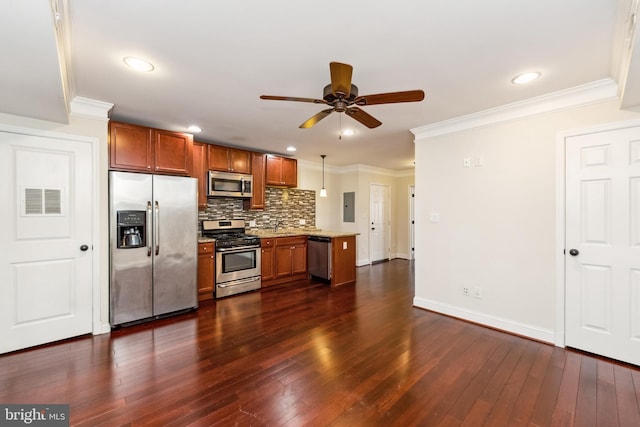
pixel 45 246
pixel 379 233
pixel 603 243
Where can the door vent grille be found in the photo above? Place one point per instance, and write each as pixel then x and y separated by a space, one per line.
pixel 40 201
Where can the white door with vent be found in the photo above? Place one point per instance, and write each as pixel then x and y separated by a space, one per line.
pixel 379 233
pixel 45 245
pixel 603 243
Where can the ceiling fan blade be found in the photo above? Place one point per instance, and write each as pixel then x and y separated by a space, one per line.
pixel 363 117
pixel 292 98
pixel 390 98
pixel 315 119
pixel 341 78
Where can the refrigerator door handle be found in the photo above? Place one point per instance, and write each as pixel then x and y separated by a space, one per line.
pixel 156 231
pixel 147 228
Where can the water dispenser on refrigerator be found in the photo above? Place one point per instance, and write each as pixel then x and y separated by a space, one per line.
pixel 131 229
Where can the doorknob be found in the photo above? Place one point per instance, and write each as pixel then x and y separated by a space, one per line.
pixel 373 228
pixel 84 248
pixel 574 252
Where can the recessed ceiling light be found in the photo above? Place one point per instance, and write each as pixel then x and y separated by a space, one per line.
pixel 525 78
pixel 348 132
pixel 194 128
pixel 291 148
pixel 138 64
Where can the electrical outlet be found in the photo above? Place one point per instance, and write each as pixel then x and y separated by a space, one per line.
pixel 477 292
pixel 302 222
pixel 465 292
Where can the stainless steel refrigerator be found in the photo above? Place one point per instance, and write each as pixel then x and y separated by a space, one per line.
pixel 153 226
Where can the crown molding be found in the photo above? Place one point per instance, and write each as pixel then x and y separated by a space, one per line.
pixel 90 108
pixel 598 91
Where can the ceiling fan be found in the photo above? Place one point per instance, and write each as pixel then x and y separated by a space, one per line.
pixel 343 97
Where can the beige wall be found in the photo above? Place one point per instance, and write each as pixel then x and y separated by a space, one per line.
pixel 497 226
pixel 358 179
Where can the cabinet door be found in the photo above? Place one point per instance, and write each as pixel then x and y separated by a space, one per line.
pixel 258 163
pixel 299 259
pixel 274 170
pixel 206 268
pixel 173 152
pixel 240 161
pixel 283 258
pixel 218 158
pixel 290 172
pixel 268 267
pixel 199 171
pixel 130 147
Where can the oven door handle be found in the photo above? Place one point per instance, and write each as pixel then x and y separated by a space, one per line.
pixel 237 248
pixel 239 282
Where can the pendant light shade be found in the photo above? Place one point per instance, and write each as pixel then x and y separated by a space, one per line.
pixel 323 192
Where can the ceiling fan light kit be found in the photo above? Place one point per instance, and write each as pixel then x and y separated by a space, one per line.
pixel 342 96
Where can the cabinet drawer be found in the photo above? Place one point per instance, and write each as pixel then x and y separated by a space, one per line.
pixel 205 248
pixel 291 241
pixel 266 243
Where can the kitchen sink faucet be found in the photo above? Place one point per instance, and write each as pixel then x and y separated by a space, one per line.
pixel 278 224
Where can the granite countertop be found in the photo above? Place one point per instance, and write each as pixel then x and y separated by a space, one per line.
pixel 289 232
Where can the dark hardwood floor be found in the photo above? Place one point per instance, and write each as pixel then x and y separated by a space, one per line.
pixel 308 354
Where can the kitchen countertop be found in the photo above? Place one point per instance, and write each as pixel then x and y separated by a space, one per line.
pixel 205 239
pixel 290 232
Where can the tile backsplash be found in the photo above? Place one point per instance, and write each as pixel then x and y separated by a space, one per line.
pixel 286 205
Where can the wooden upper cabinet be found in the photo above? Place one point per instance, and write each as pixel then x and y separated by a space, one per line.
pixel 199 170
pixel 227 159
pixel 173 152
pixel 258 166
pixel 130 147
pixel 282 171
pixel 142 149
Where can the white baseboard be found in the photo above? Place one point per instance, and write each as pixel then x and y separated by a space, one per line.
pixel 399 255
pixel 362 262
pixel 104 328
pixel 529 331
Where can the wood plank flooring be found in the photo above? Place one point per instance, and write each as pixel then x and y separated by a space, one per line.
pixel 308 354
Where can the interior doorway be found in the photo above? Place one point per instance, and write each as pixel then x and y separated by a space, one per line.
pixel 379 218
pixel 46 260
pixel 602 243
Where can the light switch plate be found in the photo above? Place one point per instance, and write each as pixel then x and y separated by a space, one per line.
pixel 344 245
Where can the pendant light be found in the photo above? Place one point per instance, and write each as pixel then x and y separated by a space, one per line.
pixel 323 192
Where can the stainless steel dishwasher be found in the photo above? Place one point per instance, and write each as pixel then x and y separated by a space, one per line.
pixel 319 257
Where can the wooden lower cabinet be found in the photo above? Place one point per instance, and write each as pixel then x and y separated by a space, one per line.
pixel 284 259
pixel 343 260
pixel 267 260
pixel 206 271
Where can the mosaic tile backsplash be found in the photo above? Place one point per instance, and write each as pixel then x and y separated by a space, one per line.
pixel 285 205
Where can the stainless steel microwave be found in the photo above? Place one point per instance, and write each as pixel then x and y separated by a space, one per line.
pixel 225 184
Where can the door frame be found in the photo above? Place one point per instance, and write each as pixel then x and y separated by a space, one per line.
pixel 97 325
pixel 412 221
pixel 561 140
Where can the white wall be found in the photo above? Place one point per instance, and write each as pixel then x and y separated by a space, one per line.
pixel 497 222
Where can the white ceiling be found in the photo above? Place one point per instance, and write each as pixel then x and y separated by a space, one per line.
pixel 214 59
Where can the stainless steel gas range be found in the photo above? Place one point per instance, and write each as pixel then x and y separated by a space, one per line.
pixel 238 265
